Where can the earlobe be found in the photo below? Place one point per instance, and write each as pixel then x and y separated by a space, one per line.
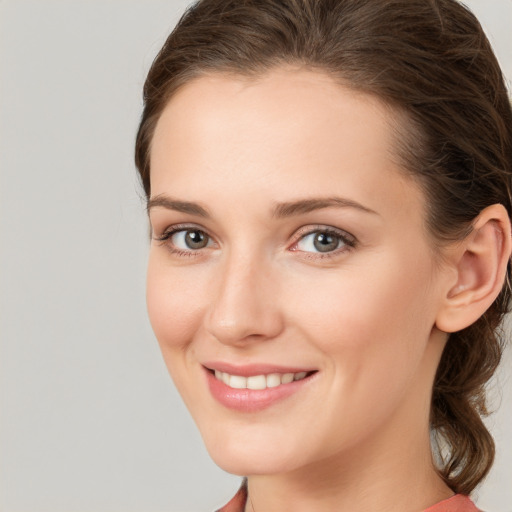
pixel 480 261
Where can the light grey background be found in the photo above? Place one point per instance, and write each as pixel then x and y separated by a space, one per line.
pixel 90 420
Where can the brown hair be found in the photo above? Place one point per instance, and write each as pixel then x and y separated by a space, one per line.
pixel 431 61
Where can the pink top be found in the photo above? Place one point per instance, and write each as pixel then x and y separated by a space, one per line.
pixel 457 503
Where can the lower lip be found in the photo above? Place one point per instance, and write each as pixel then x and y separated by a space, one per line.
pixel 251 400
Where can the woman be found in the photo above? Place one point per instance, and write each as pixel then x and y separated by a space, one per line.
pixel 328 186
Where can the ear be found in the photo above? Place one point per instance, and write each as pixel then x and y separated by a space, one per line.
pixel 480 263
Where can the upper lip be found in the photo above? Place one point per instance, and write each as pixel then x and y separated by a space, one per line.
pixel 249 370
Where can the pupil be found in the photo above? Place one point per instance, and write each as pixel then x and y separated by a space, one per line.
pixel 196 239
pixel 324 242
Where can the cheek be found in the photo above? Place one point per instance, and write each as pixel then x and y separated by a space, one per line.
pixel 373 328
pixel 175 303
pixel 372 314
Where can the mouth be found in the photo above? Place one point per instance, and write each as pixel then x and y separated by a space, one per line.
pixel 253 388
pixel 259 382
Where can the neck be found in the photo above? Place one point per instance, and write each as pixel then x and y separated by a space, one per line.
pixel 391 484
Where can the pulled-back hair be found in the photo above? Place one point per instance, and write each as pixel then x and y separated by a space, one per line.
pixel 432 63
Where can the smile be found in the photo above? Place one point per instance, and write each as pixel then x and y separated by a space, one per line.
pixel 271 380
pixel 259 386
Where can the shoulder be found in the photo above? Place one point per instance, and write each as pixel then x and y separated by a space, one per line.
pixel 457 503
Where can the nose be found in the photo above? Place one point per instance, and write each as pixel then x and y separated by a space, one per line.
pixel 244 308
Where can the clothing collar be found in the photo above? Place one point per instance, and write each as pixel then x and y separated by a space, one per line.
pixel 457 503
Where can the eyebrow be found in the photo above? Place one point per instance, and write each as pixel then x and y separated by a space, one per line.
pixel 280 210
pixel 179 206
pixel 302 206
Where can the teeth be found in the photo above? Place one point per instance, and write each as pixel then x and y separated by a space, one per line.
pixel 271 380
pixel 287 378
pixel 256 382
pixel 237 382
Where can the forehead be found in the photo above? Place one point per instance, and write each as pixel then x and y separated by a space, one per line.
pixel 284 98
pixel 289 131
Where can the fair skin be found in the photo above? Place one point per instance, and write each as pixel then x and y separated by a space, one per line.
pixel 344 284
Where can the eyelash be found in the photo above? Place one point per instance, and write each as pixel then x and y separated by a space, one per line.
pixel 349 241
pixel 169 232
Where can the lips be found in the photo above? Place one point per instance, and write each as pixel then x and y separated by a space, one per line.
pixel 254 387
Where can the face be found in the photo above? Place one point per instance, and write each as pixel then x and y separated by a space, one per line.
pixel 291 285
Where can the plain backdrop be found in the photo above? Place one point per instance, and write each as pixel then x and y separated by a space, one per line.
pixel 90 420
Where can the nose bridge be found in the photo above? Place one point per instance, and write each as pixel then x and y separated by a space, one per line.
pixel 243 308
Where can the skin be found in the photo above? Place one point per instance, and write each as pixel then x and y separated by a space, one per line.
pixel 364 316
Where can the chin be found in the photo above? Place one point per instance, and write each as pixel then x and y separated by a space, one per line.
pixel 242 458
pixel 243 465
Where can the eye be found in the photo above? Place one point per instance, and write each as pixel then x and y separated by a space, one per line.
pixel 185 240
pixel 323 241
